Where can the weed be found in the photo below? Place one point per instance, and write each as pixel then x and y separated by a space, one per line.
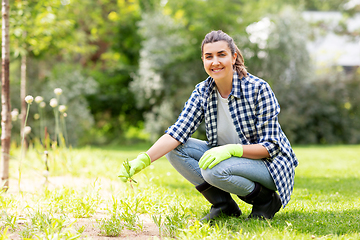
pixel 27 231
pixel 10 220
pixel 111 227
pixel 129 214
pixel 47 226
pixel 158 223
pixel 4 235
pixel 126 165
pixel 177 219
pixel 85 206
pixel 45 222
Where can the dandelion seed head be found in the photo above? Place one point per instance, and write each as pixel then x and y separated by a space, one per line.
pixel 58 91
pixel 36 116
pixel 42 104
pixel 27 130
pixel 39 99
pixel 14 117
pixel 15 111
pixel 53 102
pixel 65 114
pixel 62 108
pixel 29 99
pixel 14 114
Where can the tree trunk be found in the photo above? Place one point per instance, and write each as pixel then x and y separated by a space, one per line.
pixel 5 97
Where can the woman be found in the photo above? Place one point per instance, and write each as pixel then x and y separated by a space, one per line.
pixel 246 154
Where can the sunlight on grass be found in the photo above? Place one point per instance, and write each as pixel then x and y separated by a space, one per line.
pixel 325 203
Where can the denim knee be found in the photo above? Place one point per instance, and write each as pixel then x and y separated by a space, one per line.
pixel 213 176
pixel 170 155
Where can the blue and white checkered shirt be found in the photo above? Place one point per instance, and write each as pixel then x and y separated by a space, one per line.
pixel 254 110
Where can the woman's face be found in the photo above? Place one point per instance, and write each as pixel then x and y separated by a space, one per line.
pixel 218 60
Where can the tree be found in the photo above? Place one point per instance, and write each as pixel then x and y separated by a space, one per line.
pixel 5 97
pixel 36 27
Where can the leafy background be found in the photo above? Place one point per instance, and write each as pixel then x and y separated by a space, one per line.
pixel 127 67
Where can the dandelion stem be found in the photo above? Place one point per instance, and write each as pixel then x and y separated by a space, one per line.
pixel 22 153
pixel 63 126
pixel 57 138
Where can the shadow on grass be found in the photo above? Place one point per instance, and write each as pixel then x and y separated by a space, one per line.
pixel 318 223
pixel 348 186
pixel 322 222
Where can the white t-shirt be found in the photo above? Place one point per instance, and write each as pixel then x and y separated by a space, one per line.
pixel 225 126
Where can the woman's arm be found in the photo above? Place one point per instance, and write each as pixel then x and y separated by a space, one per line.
pixel 162 146
pixel 255 151
pixel 268 129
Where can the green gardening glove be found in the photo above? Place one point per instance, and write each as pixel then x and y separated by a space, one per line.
pixel 142 161
pixel 217 154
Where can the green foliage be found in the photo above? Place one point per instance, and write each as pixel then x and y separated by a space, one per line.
pixel 322 111
pixel 138 61
pixel 329 5
pixel 39 27
pixel 114 106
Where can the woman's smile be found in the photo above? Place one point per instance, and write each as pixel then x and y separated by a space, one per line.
pixel 217 70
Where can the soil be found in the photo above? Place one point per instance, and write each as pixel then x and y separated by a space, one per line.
pixel 149 232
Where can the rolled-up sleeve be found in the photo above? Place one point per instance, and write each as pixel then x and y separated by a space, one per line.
pixel 188 120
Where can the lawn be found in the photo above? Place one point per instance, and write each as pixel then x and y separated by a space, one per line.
pixel 81 198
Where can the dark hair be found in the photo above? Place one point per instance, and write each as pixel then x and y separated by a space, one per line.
pixel 215 36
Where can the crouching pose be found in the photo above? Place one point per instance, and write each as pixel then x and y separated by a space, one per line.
pixel 247 153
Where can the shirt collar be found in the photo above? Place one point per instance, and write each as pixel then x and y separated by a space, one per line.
pixel 236 88
pixel 212 84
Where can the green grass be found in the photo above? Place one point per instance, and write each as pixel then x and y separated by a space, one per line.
pixel 325 203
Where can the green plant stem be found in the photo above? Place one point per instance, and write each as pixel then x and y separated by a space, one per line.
pixel 57 137
pixel 63 123
pixel 42 124
pixel 22 145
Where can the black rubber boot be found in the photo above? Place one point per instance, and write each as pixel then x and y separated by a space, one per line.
pixel 265 202
pixel 222 202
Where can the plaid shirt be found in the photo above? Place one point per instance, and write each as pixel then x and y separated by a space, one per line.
pixel 254 110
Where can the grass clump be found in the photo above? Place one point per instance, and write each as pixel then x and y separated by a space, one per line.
pixel 110 227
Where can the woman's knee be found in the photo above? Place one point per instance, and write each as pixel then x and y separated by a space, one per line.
pixel 193 148
pixel 213 177
pixel 173 155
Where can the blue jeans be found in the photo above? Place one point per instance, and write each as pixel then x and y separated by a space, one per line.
pixel 234 175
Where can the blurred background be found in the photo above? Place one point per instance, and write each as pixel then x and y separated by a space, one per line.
pixel 126 67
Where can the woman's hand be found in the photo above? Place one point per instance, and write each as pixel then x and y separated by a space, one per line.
pixel 217 154
pixel 135 166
